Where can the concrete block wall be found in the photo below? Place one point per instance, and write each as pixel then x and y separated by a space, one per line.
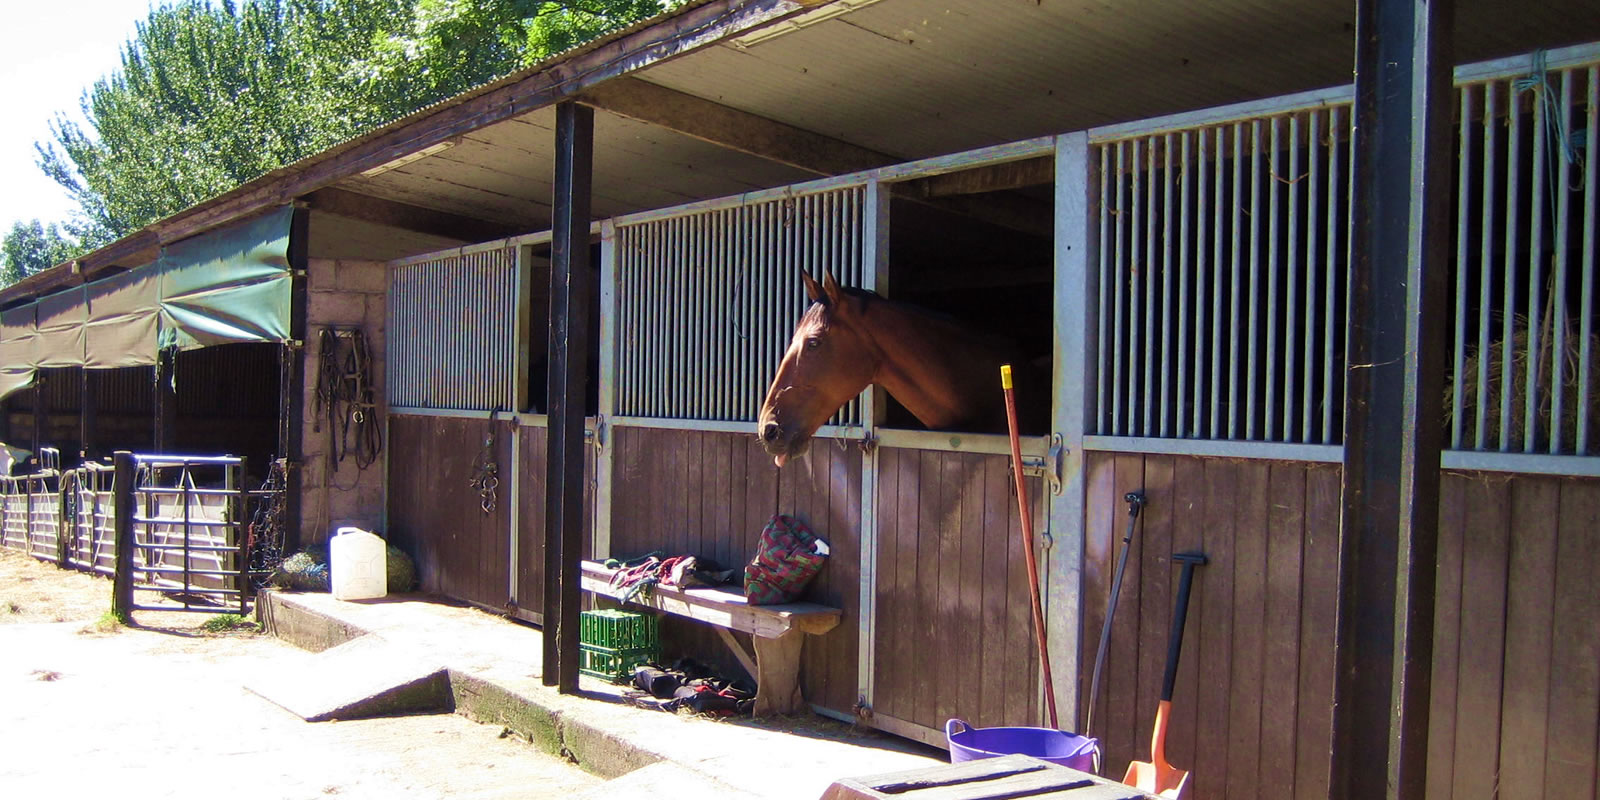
pixel 341 293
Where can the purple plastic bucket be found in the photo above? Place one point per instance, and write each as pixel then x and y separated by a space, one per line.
pixel 1058 747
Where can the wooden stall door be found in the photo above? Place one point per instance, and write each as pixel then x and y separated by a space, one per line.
pixel 533 452
pixel 1251 708
pixel 437 516
pixel 954 635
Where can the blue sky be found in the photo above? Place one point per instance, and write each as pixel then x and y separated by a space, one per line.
pixel 50 52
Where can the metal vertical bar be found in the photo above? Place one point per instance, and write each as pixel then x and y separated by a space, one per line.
pixel 1218 224
pixel 1509 299
pixel 1108 210
pixel 1558 299
pixel 1332 269
pixel 1074 364
pixel 1486 236
pixel 1255 276
pixel 1315 157
pixel 1291 289
pixel 1119 278
pixel 873 239
pixel 610 380
pixel 1463 232
pixel 1151 262
pixel 1166 287
pixel 1270 329
pixel 1591 197
pixel 1535 362
pixel 694 259
pixel 1236 266
pixel 727 277
pixel 1202 228
pixel 1137 269
pixel 761 297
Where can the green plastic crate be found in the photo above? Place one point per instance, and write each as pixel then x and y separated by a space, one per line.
pixel 612 643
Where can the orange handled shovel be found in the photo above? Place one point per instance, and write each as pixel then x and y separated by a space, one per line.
pixel 1156 776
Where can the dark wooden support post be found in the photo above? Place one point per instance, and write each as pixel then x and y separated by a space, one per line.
pixel 165 402
pixel 88 413
pixel 292 382
pixel 571 284
pixel 122 509
pixel 41 413
pixel 1393 400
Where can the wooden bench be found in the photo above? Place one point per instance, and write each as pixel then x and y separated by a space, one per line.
pixel 777 631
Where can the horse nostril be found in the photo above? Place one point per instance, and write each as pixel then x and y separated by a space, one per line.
pixel 770 432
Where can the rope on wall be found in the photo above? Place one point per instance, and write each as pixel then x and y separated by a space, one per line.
pixel 344 395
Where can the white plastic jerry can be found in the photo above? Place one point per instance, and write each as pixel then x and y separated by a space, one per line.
pixel 358 564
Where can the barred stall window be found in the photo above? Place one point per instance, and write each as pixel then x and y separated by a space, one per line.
pixel 706 301
pixel 452 331
pixel 1223 256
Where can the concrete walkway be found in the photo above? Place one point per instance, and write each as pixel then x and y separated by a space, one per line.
pixel 410 652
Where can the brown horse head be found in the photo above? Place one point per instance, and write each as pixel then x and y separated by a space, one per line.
pixel 829 361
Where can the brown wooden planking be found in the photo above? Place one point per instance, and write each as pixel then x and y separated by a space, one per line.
pixel 925 630
pixel 1575 651
pixel 530 530
pixel 1099 543
pixel 1484 557
pixel 832 674
pixel 1249 546
pixel 461 551
pixel 1153 548
pixel 698 493
pixel 996 657
pixel 1530 601
pixel 1446 638
pixel 947 585
pixel 1188 504
pixel 1215 629
pixel 1285 535
pixel 1120 678
pixel 1319 562
pixel 889 646
pixel 967 652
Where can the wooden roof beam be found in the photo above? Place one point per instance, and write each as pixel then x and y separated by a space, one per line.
pixel 394 214
pixel 729 127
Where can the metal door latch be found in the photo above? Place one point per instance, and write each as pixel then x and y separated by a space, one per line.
pixel 1047 466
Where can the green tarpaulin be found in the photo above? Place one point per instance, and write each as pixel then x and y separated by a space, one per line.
pixel 228 285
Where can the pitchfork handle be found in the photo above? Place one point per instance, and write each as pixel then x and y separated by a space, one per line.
pixel 1179 614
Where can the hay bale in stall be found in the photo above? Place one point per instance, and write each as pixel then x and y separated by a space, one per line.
pixel 308 570
pixel 1526 364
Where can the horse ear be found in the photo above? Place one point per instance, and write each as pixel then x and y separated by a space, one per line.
pixel 831 287
pixel 813 291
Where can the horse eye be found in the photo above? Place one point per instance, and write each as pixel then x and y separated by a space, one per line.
pixel 812 344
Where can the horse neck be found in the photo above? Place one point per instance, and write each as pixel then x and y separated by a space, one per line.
pixel 942 374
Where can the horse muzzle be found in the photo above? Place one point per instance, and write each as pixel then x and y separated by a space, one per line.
pixel 779 443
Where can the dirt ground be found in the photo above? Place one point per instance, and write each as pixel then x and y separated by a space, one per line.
pixel 158 710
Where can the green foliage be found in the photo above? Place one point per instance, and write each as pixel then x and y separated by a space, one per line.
pixel 214 94
pixel 30 247
pixel 224 623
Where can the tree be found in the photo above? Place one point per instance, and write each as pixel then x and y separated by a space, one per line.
pixel 213 95
pixel 30 247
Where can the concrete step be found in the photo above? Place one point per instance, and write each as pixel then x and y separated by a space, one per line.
pixel 364 677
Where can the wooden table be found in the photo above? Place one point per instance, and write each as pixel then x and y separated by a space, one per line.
pixel 777 631
pixel 985 779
